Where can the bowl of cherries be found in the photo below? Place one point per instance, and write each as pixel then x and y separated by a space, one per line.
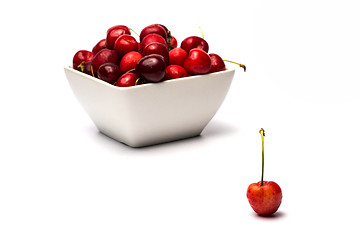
pixel 144 89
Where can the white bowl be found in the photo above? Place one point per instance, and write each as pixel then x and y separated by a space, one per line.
pixel 151 113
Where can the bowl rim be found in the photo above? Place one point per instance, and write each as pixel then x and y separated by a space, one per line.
pixel 169 81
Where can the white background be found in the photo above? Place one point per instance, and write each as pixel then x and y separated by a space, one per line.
pixel 61 179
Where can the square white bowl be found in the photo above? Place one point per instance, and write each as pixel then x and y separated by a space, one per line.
pixel 151 113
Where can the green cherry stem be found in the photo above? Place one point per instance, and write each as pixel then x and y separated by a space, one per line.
pixel 262 133
pixel 202 33
pixel 241 65
pixel 134 32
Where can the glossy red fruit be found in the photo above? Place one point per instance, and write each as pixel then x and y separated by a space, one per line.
pixel 153 28
pixel 175 71
pixel 177 56
pixel 129 61
pixel 157 48
pixel 266 199
pixel 217 63
pixel 128 80
pixel 152 37
pixel 198 62
pixel 113 35
pixel 173 42
pixel 104 56
pixel 194 42
pixel 151 68
pixel 127 30
pixel 109 72
pixel 124 44
pixel 80 57
pixel 99 46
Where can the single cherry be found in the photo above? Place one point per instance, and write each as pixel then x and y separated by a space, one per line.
pixel 264 196
pixel 198 62
pixel 194 42
pixel 99 46
pixel 129 61
pixel 217 63
pixel 175 71
pixel 80 57
pixel 177 56
pixel 104 56
pixel 127 30
pixel 152 37
pixel 157 48
pixel 153 28
pixel 151 68
pixel 124 44
pixel 128 79
pixel 109 72
pixel 173 43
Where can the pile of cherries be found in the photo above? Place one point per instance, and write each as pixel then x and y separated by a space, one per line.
pixel 121 60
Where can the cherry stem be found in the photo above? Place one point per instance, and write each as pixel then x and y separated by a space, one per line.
pixel 241 65
pixel 137 81
pixel 262 133
pixel 82 66
pixel 134 32
pixel 202 33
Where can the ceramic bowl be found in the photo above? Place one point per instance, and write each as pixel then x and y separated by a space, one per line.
pixel 151 113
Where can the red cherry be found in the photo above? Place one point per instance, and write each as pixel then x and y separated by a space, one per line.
pixel 194 42
pixel 104 56
pixel 198 62
pixel 124 44
pixel 80 57
pixel 129 61
pixel 99 46
pixel 127 30
pixel 264 196
pixel 264 199
pixel 177 56
pixel 113 35
pixel 153 28
pixel 175 71
pixel 152 37
pixel 217 63
pixel 109 72
pixel 151 68
pixel 157 48
pixel 173 42
pixel 128 79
